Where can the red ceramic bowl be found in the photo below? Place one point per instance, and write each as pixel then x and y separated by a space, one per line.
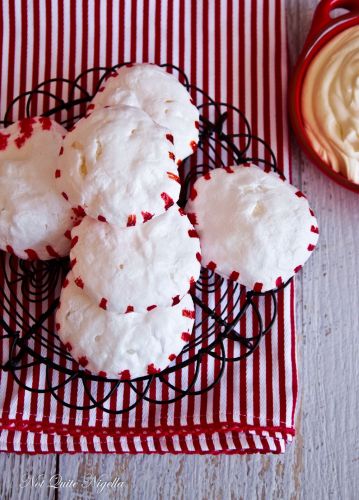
pixel 323 29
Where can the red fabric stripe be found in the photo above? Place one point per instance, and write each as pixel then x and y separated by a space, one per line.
pixel 23 57
pixel 145 31
pixel 10 76
pixel 279 88
pixel 293 353
pixel 133 31
pixel 97 35
pixel 60 50
pixel 157 59
pixel 256 373
pixel 169 25
pixel 281 358
pixel 109 21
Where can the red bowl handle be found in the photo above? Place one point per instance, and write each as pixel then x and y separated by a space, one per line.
pixel 322 19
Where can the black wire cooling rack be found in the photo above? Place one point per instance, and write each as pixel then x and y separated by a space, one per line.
pixel 31 289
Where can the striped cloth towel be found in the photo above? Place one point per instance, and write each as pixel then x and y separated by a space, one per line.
pixel 236 52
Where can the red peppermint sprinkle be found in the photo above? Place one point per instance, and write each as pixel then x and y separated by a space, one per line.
pixel 169 137
pixel 196 124
pixel 299 194
pixel 125 375
pixel 101 218
pixel 192 282
pixel 68 346
pixel 83 361
pixel 79 282
pixel 103 303
pixel 65 196
pixel 188 314
pixel 9 249
pixel 193 194
pixel 73 263
pixel 52 252
pixel 173 177
pixel 74 240
pixel 146 216
pixel 171 155
pixel 311 212
pixel 57 326
pixel 26 129
pixel 131 220
pixel 199 257
pixel 172 357
pixel 31 254
pixel 65 283
pixel 234 276
pixel 207 176
pixel 176 300
pixel 149 308
pixel 90 107
pixel 186 336
pixel 314 229
pixel 167 199
pixel 26 126
pixel 61 151
pixel 151 369
pixel 192 233
pixel 46 123
pixel 192 218
pixel 101 89
pixel 297 269
pixel 129 309
pixel 79 211
pixel 310 247
pixel 20 141
pixel 67 234
pixel 57 173
pixel 258 287
pixel 193 145
pixel 279 282
pixel 102 374
pixel 211 265
pixel 181 211
pixel 3 141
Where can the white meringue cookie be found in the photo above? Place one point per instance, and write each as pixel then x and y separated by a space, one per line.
pixel 33 216
pixel 254 227
pixel 159 94
pixel 119 166
pixel 136 268
pixel 121 345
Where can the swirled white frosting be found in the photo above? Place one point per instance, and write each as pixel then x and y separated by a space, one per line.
pixel 330 103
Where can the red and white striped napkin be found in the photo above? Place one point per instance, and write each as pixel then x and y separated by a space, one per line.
pixel 236 52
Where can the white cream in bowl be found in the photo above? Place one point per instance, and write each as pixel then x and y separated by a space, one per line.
pixel 330 103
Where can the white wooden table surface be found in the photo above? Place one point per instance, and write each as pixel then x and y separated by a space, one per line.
pixel 323 462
